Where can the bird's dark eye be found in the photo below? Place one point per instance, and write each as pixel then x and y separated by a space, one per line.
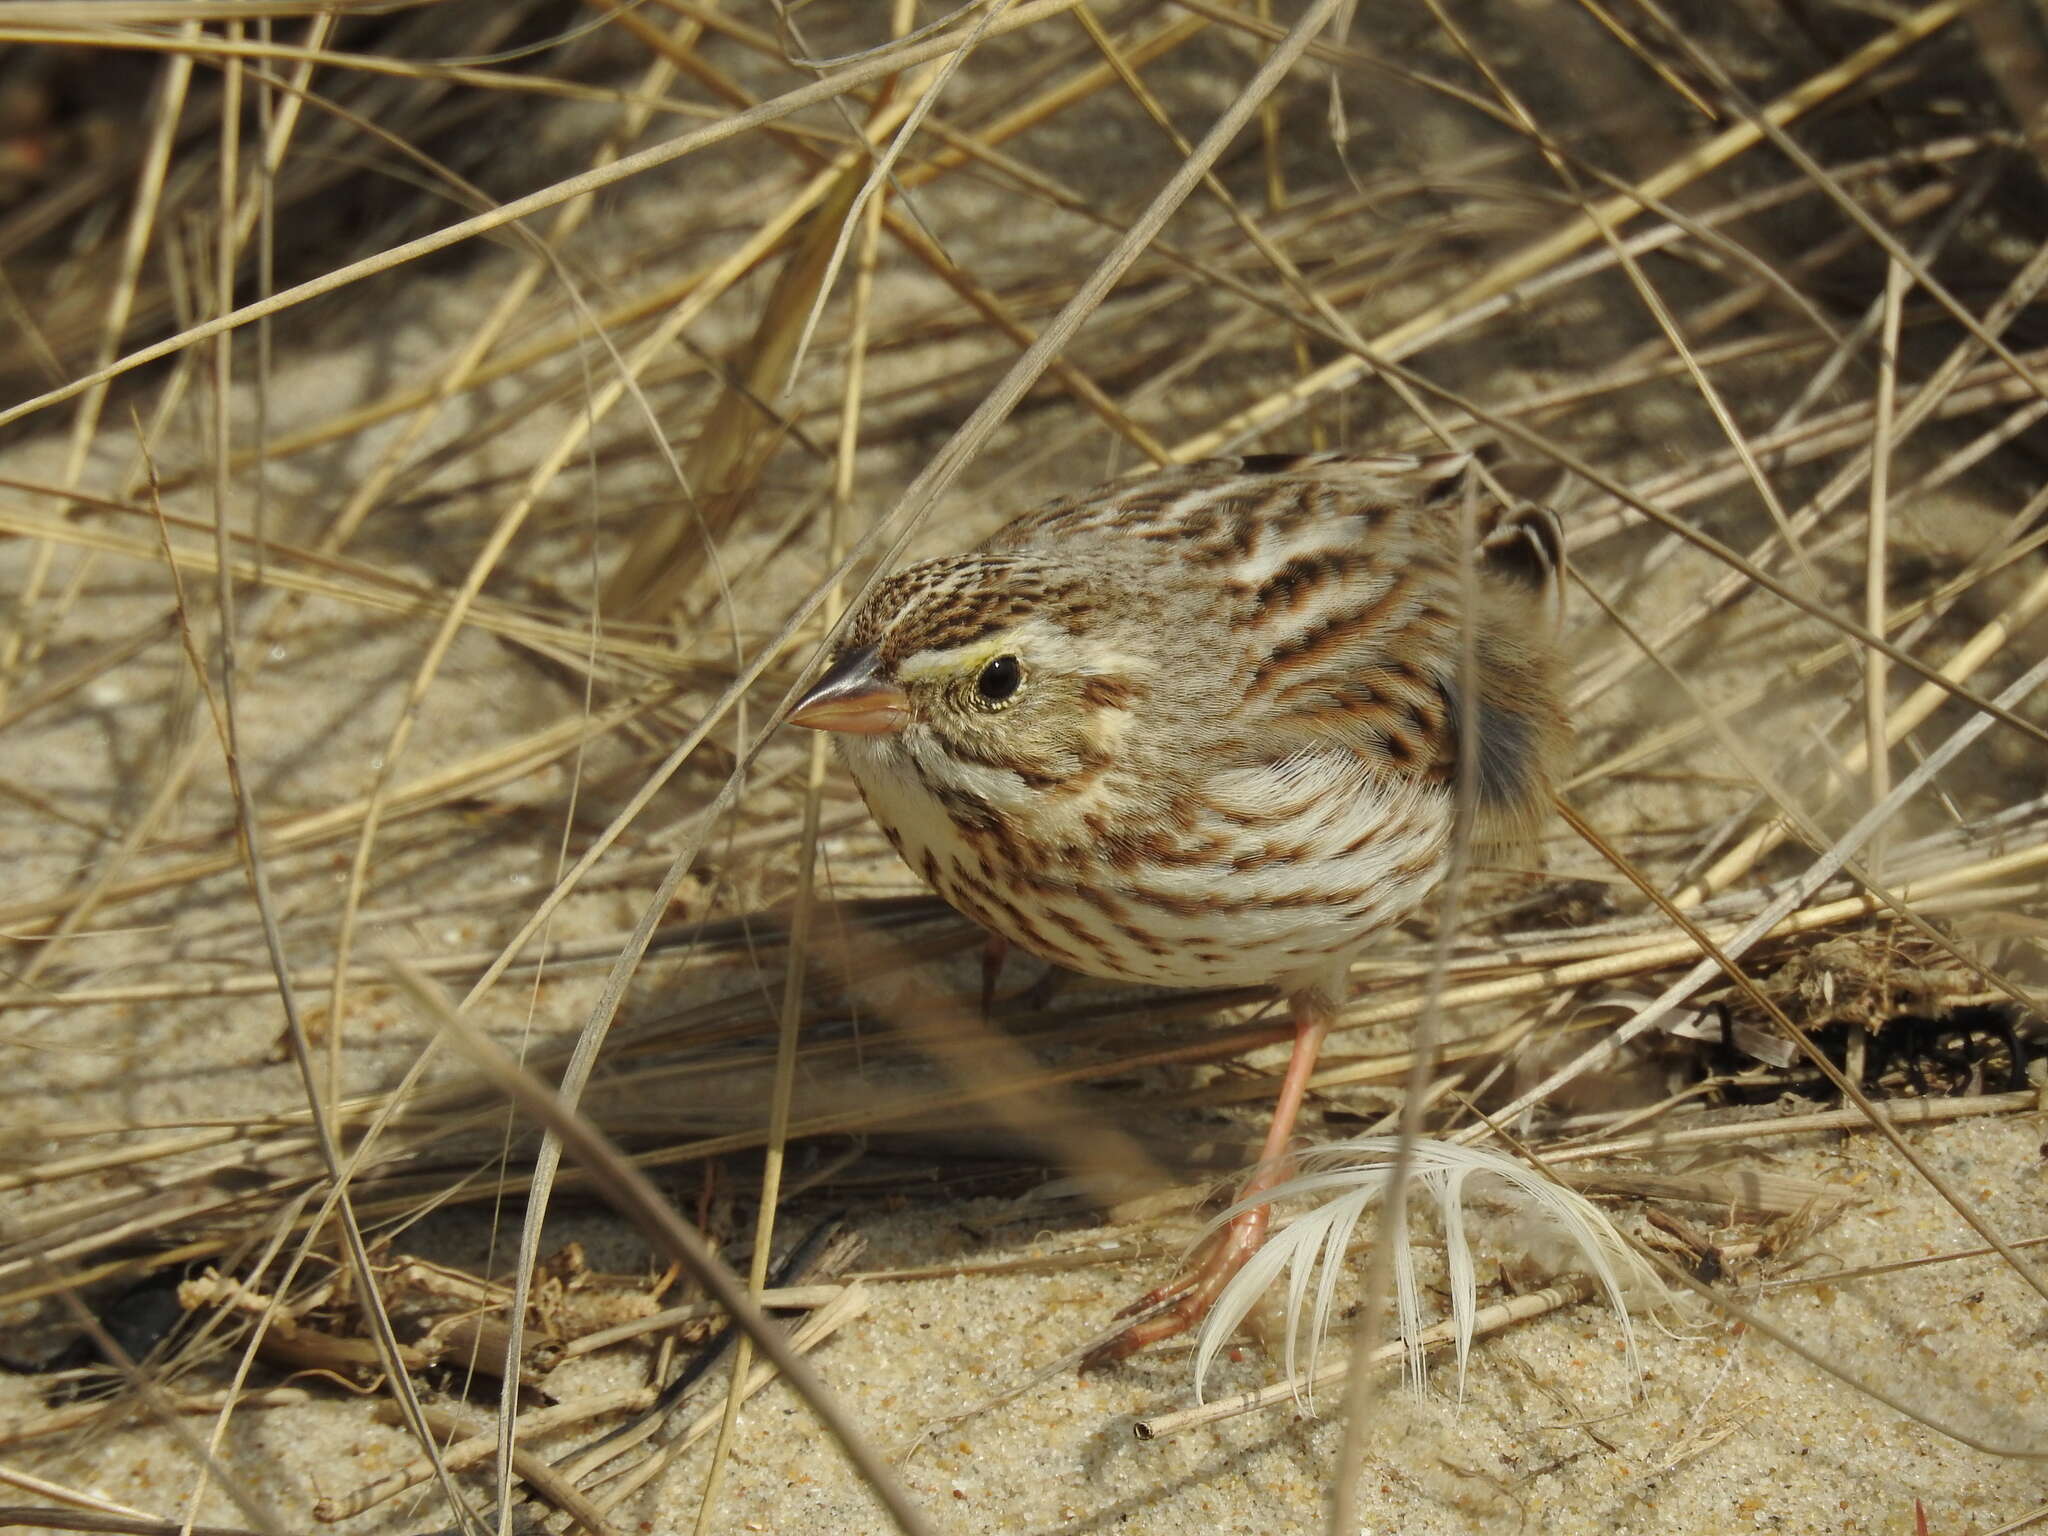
pixel 999 680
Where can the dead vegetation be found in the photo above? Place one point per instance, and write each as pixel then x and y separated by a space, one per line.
pixel 443 435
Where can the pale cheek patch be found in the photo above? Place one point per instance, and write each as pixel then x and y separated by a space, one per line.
pixel 1107 726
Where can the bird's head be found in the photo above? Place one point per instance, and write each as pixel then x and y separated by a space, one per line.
pixel 984 675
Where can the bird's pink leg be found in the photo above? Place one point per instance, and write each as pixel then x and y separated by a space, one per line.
pixel 1238 1241
pixel 995 949
pixel 995 954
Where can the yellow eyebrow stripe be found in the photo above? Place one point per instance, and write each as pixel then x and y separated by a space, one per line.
pixel 957 662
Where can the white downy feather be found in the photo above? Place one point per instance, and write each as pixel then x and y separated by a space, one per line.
pixel 1350 1178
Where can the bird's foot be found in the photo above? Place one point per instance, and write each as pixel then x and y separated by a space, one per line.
pixel 1176 1307
pixel 995 953
pixel 995 949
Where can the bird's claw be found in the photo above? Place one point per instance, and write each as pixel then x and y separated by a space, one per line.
pixel 1174 1308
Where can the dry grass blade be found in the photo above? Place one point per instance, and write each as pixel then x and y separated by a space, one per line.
pixel 460 413
pixel 497 218
pixel 41 1517
pixel 1547 252
pixel 639 1200
pixel 743 428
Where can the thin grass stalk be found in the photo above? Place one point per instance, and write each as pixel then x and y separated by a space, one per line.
pixel 640 1201
pixel 866 217
pixel 1877 739
pixel 17 644
pixel 596 180
pixel 1615 211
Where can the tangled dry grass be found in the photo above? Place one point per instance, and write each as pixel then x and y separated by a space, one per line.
pixel 441 438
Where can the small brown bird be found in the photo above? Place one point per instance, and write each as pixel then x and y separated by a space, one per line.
pixel 1202 728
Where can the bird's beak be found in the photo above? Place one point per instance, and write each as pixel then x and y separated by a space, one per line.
pixel 851 697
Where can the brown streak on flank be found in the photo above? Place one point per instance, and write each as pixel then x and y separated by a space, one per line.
pixel 1317 898
pixel 1156 848
pixel 1180 906
pixel 1270 854
pixel 970 889
pixel 1247 819
pixel 1279 812
pixel 1345 707
pixel 1190 528
pixel 1231 537
pixel 1150 943
pixel 1387 697
pixel 1216 905
pixel 1085 934
pixel 1431 617
pixel 1046 947
pixel 1316 504
pixel 1372 834
pixel 1124 849
pixel 1101 901
pixel 1419 867
pixel 967 904
pixel 1120 851
pixel 1183 812
pixel 998 846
